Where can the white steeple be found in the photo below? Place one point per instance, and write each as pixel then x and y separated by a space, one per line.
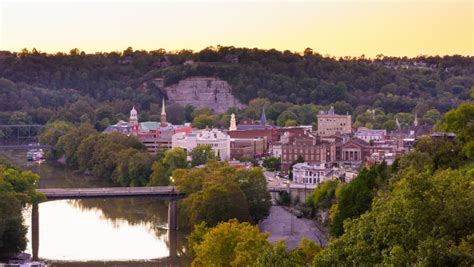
pixel 415 123
pixel 163 112
pixel 163 122
pixel 233 125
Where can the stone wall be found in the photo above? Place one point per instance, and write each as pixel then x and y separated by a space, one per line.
pixel 200 92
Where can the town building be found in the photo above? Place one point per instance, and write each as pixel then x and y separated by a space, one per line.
pixel 219 141
pixel 249 130
pixel 309 147
pixel 156 136
pixel 304 173
pixel 122 127
pixel 369 135
pixel 248 147
pixel 330 123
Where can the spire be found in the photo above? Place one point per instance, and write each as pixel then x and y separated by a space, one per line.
pixel 233 123
pixel 263 118
pixel 415 122
pixel 163 122
pixel 163 107
pixel 398 124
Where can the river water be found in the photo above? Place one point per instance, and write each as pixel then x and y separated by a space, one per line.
pixel 118 232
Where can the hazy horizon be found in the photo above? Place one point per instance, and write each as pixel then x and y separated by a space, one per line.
pixel 337 28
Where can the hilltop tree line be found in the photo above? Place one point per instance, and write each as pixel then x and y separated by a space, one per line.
pixel 101 88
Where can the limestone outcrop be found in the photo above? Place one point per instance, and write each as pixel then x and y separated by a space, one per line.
pixel 200 92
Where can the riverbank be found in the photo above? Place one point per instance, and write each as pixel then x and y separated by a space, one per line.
pixel 282 225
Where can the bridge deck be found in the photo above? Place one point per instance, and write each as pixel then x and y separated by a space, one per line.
pixel 8 147
pixel 168 192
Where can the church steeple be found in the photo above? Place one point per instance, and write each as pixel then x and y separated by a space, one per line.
pixel 133 120
pixel 163 115
pixel 415 122
pixel 233 124
pixel 263 117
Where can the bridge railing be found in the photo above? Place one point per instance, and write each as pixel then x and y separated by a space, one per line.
pixel 109 191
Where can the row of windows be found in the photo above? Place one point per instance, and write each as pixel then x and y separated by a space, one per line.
pixel 305 151
pixel 295 157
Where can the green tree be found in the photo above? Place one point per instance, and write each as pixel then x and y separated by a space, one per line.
pixel 202 121
pixel 175 158
pixel 323 196
pixel 278 255
pixel 285 116
pixel 159 175
pixel 426 220
pixel 51 133
pixel 461 122
pixel 356 197
pixel 272 163
pixel 17 189
pixel 254 185
pixel 230 244
pixel 201 154
pixel 70 142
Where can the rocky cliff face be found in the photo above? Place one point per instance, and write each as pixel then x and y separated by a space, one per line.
pixel 199 92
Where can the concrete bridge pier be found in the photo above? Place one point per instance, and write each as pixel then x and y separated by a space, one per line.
pixel 172 215
pixel 35 231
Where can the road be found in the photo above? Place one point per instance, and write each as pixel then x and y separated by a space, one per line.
pixel 283 225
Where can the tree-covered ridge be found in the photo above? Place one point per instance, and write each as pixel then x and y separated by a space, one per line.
pixel 44 84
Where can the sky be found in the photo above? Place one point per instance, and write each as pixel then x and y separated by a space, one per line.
pixel 329 27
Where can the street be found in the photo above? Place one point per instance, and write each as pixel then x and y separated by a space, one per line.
pixel 283 225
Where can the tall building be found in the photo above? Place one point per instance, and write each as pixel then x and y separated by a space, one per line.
pixel 330 123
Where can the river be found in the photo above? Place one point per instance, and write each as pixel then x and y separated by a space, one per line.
pixel 118 232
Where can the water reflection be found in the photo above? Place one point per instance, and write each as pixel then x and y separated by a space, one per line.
pixel 110 229
pixel 102 230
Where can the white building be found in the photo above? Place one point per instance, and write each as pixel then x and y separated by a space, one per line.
pixel 367 134
pixel 311 174
pixel 219 141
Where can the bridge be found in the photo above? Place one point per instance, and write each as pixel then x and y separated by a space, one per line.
pixel 18 136
pixel 163 192
pixel 297 192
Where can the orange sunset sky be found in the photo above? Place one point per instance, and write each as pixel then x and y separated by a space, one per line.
pixel 338 28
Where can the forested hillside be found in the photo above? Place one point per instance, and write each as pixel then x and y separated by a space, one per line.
pixel 48 86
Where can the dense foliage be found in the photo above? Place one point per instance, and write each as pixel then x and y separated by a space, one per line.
pixel 101 88
pixel 218 192
pixel 17 189
pixel 241 244
pixel 418 212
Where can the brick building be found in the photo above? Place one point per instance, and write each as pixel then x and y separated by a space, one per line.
pixel 330 123
pixel 310 147
pixel 248 147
